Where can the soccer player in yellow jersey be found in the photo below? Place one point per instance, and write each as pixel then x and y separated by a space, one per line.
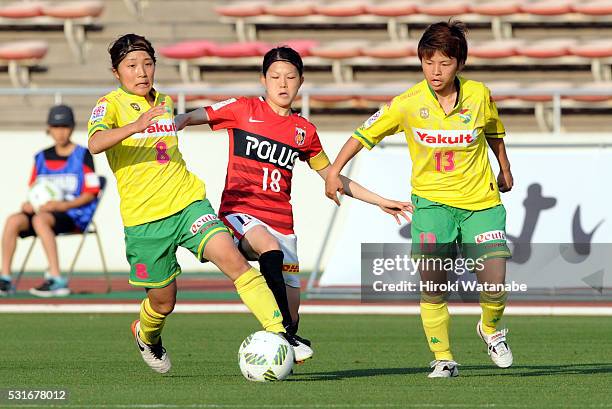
pixel 448 122
pixel 163 205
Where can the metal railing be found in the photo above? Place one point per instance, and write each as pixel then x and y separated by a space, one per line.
pixel 308 91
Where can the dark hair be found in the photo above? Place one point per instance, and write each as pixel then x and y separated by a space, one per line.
pixel 282 53
pixel 446 37
pixel 126 44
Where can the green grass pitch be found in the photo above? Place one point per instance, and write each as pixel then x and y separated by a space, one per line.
pixel 360 361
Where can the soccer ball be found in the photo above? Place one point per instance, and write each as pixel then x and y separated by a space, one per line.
pixel 265 356
pixel 43 191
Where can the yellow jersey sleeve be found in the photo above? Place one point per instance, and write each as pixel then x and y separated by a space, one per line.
pixel 103 116
pixel 383 123
pixel 319 161
pixel 493 125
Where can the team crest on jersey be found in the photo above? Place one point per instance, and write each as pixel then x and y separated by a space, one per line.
pixel 465 115
pixel 300 136
pixel 98 112
pixel 424 113
pixel 135 106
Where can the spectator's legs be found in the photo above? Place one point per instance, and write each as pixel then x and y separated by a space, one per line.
pixel 14 224
pixel 43 223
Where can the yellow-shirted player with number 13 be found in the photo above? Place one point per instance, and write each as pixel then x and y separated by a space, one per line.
pixel 163 205
pixel 448 122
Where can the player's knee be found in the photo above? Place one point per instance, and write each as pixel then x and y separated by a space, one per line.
pixel 14 222
pixel 164 307
pixel 42 220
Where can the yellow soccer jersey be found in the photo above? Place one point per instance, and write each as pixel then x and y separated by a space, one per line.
pixel 152 178
pixel 450 164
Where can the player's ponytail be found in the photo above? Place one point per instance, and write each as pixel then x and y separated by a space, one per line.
pixel 126 44
pixel 282 53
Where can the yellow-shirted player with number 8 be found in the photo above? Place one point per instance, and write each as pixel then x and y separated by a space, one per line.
pixel 163 205
pixel 449 123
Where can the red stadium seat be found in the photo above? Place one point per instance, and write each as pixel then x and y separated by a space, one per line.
pixel 23 50
pixel 349 8
pixel 547 7
pixel 291 8
pixel 444 8
pixel 593 98
pixel 339 49
pixel 392 49
pixel 394 8
pixel 238 50
pixel 395 88
pixel 303 47
pixel 546 48
pixel 242 9
pixel 334 99
pixel 74 9
pixel 593 8
pixel 22 10
pixel 495 49
pixel 496 8
pixel 502 90
pixel 593 49
pixel 187 50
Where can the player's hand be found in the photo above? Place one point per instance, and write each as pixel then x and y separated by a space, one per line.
pixel 181 121
pixel 397 209
pixel 333 184
pixel 54 206
pixel 27 208
pixel 505 181
pixel 148 118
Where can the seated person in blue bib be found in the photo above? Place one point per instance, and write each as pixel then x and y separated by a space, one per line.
pixel 66 171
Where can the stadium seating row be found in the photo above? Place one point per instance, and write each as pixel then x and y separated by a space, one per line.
pixel 20 57
pixel 500 14
pixel 343 56
pixel 74 17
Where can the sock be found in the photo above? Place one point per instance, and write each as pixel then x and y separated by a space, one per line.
pixel 151 323
pixel 256 295
pixel 492 310
pixel 271 266
pixel 436 322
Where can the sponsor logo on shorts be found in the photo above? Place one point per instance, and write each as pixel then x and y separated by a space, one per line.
pixel 291 268
pixel 98 112
pixel 490 236
pixel 219 105
pixel 444 138
pixel 201 221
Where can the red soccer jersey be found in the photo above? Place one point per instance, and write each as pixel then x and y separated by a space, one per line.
pixel 263 150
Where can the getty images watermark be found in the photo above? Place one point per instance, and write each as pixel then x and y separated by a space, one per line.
pixel 535 271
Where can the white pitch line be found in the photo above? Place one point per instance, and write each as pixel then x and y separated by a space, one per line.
pixel 307 309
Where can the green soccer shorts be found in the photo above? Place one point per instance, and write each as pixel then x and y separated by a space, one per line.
pixel 438 230
pixel 151 247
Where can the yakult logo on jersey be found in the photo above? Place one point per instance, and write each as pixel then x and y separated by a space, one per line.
pixel 201 222
pixel 163 127
pixel 435 138
pixel 300 136
pixel 490 236
pixel 262 149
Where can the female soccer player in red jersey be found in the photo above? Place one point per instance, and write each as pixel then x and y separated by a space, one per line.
pixel 266 140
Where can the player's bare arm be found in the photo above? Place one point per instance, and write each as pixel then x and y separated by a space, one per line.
pixel 333 183
pixel 102 140
pixel 505 181
pixel 195 117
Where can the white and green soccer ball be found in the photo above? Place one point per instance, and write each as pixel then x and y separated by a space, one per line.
pixel 265 357
pixel 43 191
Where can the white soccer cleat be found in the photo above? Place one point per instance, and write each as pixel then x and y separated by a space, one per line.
pixel 497 346
pixel 301 351
pixel 154 355
pixel 443 369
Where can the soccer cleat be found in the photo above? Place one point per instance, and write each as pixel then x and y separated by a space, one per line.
pixel 154 355
pixel 52 287
pixel 301 350
pixel 443 369
pixel 498 348
pixel 6 287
